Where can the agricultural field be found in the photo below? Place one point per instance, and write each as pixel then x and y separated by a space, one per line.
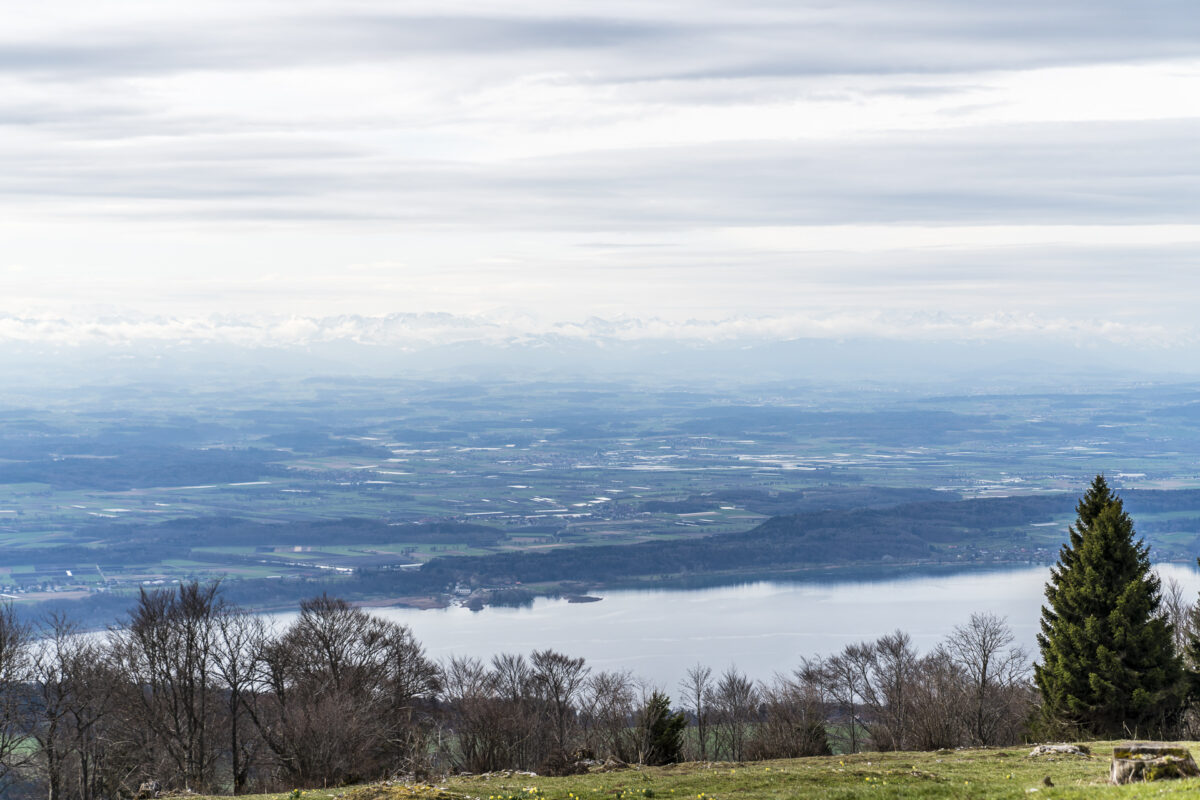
pixel 328 480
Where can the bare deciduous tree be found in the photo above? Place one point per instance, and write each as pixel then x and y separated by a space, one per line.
pixel 996 672
pixel 558 679
pixel 528 739
pixel 936 703
pixel 792 720
pixel 99 689
pixel 334 695
pixel 735 708
pixel 410 684
pixel 887 689
pixel 1178 611
pixel 607 703
pixel 696 689
pixel 167 648
pixel 53 689
pixel 844 677
pixel 474 711
pixel 14 673
pixel 238 643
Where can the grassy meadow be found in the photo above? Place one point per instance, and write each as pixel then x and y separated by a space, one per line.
pixel 976 773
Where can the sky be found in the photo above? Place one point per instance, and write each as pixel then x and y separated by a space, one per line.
pixel 416 173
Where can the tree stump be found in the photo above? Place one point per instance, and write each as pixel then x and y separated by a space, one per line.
pixel 1150 761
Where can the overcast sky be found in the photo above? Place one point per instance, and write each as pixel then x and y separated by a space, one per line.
pixel 920 169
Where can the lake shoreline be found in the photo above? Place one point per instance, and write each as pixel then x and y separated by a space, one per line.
pixel 763 627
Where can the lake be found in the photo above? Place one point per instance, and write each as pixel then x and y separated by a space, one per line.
pixel 762 627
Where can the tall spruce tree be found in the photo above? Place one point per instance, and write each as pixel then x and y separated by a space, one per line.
pixel 1109 666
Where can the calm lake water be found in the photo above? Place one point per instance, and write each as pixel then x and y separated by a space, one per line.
pixel 762 628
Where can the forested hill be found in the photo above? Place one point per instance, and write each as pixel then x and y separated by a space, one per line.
pixel 913 532
pixel 975 532
pixel 778 503
pixel 969 531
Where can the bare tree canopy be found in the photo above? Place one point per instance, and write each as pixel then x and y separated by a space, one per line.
pixel 197 694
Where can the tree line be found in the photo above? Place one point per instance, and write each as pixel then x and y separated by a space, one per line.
pixel 194 693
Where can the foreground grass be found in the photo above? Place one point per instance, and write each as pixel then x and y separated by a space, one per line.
pixel 981 773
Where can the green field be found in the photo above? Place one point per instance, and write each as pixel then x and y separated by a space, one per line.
pixel 977 773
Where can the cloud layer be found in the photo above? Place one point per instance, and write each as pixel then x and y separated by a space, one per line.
pixel 418 332
pixel 255 172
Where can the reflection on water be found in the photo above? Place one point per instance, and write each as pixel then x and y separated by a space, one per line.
pixel 762 627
